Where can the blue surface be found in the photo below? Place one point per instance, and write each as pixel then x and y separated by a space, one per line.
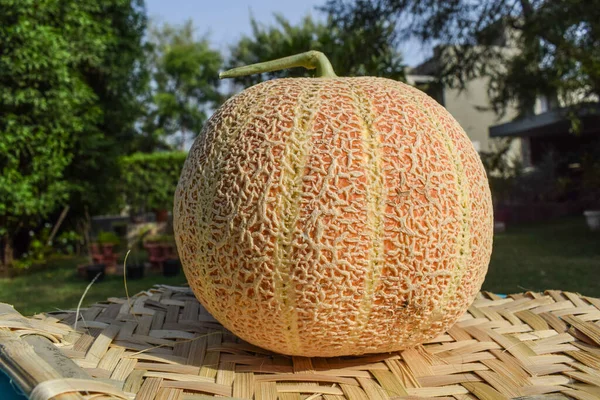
pixel 7 390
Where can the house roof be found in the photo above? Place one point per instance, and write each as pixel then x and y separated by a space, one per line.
pixel 427 67
pixel 550 123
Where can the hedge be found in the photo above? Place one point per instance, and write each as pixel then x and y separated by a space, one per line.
pixel 149 179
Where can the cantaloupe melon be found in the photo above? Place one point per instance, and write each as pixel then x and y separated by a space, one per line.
pixel 333 216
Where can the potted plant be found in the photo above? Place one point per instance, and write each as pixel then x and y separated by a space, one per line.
pixel 162 253
pixel 92 270
pixel 107 242
pixel 171 264
pixel 152 244
pixel 94 266
pixel 136 268
pixel 136 265
pixel 171 267
pixel 167 246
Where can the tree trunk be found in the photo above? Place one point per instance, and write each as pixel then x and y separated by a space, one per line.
pixel 6 254
pixel 182 148
pixel 58 223
pixel 86 225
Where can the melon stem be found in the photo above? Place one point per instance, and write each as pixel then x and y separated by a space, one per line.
pixel 309 60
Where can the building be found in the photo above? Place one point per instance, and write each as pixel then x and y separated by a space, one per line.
pixel 470 106
pixel 555 178
pixel 547 129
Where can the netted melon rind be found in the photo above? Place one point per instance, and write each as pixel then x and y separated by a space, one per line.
pixel 329 217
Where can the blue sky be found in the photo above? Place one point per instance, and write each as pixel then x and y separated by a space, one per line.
pixel 226 21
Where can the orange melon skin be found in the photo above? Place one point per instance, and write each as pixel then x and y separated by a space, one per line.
pixel 334 216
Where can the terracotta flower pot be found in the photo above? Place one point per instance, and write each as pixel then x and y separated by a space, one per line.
pixel 108 249
pixel 95 269
pixel 161 215
pixel 96 252
pixel 155 254
pixel 168 250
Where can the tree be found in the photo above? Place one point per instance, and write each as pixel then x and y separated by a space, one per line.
pixel 149 180
pixel 184 72
pixel 352 52
pixel 117 77
pixel 555 43
pixel 68 85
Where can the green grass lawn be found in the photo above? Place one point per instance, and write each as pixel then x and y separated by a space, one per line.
pixel 561 254
pixel 60 288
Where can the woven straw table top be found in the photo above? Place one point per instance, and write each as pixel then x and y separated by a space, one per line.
pixel 161 344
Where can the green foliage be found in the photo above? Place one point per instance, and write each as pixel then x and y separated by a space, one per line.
pixel 39 249
pixel 57 286
pixel 68 242
pixel 498 161
pixel 351 52
pixel 559 176
pixel 527 48
pixel 70 75
pixel 165 239
pixel 43 106
pixel 108 238
pixel 149 180
pixel 502 169
pixel 544 183
pixel 116 72
pixel 184 71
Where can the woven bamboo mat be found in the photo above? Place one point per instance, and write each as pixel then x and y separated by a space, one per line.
pixel 163 345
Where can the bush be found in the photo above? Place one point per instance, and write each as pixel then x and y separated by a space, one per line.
pixel 149 179
pixel 108 238
pixel 68 242
pixel 38 251
pixel 561 176
pixel 166 239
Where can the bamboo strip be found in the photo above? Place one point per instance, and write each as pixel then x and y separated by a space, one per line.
pixel 266 391
pixel 32 360
pixel 168 347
